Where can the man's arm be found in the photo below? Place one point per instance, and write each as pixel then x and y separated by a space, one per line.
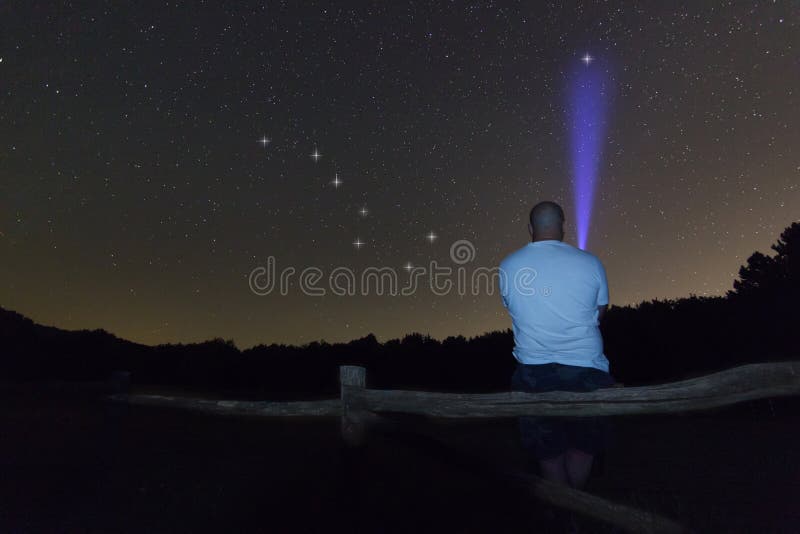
pixel 503 285
pixel 602 292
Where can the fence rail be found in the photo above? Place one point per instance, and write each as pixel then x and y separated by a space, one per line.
pixel 731 386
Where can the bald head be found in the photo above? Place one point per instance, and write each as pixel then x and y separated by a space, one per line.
pixel 547 221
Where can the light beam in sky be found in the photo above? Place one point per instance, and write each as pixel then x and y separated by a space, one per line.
pixel 587 107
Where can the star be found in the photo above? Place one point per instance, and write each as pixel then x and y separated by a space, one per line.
pixel 336 181
pixel 265 141
pixel 587 59
pixel 363 211
pixel 431 236
pixel 358 243
pixel 408 266
pixel 316 155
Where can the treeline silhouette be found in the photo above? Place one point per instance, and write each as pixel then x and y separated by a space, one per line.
pixel 654 341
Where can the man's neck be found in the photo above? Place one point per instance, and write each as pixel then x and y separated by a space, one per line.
pixel 545 238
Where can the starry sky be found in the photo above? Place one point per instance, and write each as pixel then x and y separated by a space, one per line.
pixel 152 154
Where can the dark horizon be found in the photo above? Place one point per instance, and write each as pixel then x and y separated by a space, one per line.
pixel 790 232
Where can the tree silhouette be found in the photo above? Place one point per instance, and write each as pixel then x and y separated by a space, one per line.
pixel 768 277
pixel 788 257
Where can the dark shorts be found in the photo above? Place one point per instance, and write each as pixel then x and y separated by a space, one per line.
pixel 547 437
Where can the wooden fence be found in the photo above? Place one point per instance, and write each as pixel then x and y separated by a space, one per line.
pixel 748 382
pixel 360 409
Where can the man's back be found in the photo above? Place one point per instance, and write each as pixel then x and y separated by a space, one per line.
pixel 552 291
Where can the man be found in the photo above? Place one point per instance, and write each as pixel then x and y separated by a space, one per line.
pixel 556 294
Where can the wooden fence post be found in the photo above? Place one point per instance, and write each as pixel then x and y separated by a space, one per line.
pixel 353 423
pixel 353 432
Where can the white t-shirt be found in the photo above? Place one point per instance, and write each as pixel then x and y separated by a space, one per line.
pixel 552 291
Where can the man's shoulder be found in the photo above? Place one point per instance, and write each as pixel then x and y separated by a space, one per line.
pixel 525 253
pixel 579 254
pixel 586 255
pixel 513 258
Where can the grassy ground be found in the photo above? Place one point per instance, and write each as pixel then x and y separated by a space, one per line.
pixel 71 463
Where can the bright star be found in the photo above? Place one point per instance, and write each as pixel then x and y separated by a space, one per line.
pixel 358 243
pixel 587 59
pixel 408 266
pixel 431 236
pixel 336 181
pixel 264 141
pixel 363 211
pixel 316 155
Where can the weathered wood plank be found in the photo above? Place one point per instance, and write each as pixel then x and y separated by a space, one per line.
pixel 353 379
pixel 626 517
pixel 748 382
pixel 353 375
pixel 236 407
pixel 739 384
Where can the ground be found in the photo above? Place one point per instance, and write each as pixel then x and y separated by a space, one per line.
pixel 73 463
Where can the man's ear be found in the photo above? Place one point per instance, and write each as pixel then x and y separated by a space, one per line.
pixel 530 230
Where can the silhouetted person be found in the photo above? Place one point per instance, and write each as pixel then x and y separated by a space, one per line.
pixel 556 294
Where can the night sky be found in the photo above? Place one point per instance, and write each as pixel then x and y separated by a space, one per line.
pixel 153 154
